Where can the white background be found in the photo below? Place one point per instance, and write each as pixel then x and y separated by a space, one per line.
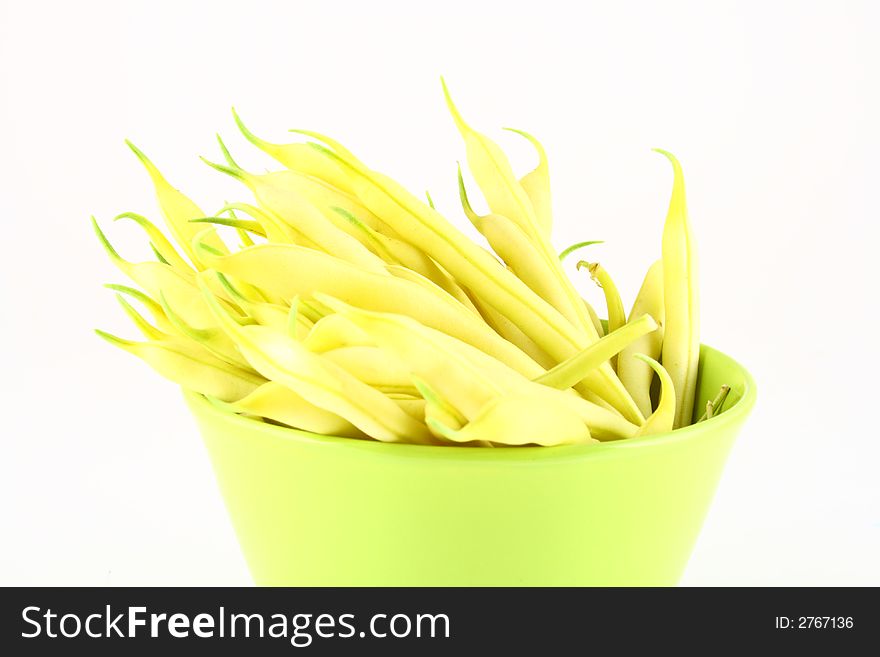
pixel 772 107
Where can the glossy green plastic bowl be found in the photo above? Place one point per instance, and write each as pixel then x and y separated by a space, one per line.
pixel 312 510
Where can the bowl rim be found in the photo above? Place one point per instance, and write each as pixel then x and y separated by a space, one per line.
pixel 201 406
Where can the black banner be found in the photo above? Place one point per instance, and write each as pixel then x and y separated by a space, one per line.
pixel 431 621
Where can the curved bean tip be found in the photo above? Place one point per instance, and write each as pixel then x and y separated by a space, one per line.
pixel 531 138
pixel 229 171
pixel 103 238
pixel 137 151
pixel 319 147
pixel 576 246
pixel 199 243
pixel 453 110
pixel 250 136
pixel 226 154
pixel 438 427
pixel 675 163
pixel 112 339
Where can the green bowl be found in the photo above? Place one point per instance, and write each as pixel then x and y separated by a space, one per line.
pixel 312 510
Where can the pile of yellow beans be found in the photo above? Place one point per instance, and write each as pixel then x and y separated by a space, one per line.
pixel 351 307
